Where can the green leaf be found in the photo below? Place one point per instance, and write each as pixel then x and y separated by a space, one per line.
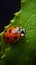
pixel 24 53
pixel 2 62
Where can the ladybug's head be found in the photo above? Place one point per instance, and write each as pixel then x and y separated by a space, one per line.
pixel 22 31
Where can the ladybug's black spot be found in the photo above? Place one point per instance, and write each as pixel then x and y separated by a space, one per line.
pixel 10 31
pixel 15 38
pixel 7 38
pixel 15 27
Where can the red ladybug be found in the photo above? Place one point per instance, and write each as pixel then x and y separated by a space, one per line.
pixel 13 34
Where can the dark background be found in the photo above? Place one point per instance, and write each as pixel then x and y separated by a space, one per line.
pixel 7 8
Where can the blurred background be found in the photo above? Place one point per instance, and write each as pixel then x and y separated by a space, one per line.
pixel 7 10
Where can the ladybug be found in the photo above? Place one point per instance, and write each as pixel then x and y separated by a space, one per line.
pixel 13 34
